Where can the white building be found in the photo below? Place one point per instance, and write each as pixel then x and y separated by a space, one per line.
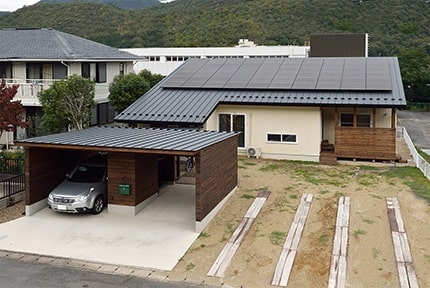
pixel 164 60
pixel 35 58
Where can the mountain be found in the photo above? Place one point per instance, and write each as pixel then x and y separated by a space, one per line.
pixel 392 24
pixel 124 4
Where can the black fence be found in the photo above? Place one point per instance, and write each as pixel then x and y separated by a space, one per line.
pixel 12 185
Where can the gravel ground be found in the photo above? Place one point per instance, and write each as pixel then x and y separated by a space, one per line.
pixel 12 212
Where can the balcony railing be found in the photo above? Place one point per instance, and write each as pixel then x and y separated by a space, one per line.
pixel 29 89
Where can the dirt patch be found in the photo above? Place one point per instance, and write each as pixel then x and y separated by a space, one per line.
pixel 371 260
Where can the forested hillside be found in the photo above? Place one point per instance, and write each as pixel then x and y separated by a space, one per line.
pixel 125 4
pixel 395 27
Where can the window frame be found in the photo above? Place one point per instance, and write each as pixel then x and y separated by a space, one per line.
pixel 232 114
pixel 367 125
pixel 281 141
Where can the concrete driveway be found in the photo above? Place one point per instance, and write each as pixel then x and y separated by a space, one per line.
pixel 418 126
pixel 155 238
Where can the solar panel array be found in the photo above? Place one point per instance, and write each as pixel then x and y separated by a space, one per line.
pixel 284 74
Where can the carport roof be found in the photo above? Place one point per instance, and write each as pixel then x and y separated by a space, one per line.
pixel 141 140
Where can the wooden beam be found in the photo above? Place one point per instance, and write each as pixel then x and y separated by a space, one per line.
pixel 286 259
pixel 337 278
pixel 224 258
pixel 393 117
pixel 354 118
pixel 374 118
pixel 405 266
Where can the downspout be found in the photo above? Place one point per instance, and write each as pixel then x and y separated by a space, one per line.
pixel 68 68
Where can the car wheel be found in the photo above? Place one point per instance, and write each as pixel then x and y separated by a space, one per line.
pixel 99 203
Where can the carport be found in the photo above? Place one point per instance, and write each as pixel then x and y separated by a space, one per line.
pixel 140 160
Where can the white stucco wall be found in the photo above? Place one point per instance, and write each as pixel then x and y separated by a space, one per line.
pixel 305 122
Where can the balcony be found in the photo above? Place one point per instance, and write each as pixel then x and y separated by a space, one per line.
pixel 29 89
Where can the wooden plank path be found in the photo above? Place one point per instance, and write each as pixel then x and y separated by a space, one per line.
pixel 224 258
pixel 288 254
pixel 405 267
pixel 337 278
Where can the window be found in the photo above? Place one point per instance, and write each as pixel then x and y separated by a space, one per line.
pixel 121 68
pixel 59 71
pixel 233 122
pixel 96 71
pixel 347 120
pixel 5 70
pixel 281 138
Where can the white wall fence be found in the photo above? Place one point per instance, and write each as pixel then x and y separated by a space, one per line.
pixel 420 162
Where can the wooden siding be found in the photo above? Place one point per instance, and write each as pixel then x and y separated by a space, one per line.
pixel 45 169
pixel 216 175
pixel 137 170
pixel 365 143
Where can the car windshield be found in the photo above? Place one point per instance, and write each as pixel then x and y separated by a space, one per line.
pixel 87 174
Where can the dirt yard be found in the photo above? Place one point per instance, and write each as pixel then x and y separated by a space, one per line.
pixel 371 258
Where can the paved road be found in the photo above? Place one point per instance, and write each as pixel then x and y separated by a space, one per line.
pixel 418 126
pixel 22 274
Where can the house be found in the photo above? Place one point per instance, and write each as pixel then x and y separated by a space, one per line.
pixel 312 109
pixel 35 58
pixel 164 60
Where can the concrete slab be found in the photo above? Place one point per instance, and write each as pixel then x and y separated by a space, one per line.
pixel 155 238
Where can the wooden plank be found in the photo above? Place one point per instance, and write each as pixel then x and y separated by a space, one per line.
pixel 337 277
pixel 405 269
pixel 286 259
pixel 287 268
pixel 332 281
pixel 403 275
pixel 229 250
pixel 412 277
pixel 341 274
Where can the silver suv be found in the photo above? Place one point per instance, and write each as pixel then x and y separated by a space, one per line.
pixel 83 190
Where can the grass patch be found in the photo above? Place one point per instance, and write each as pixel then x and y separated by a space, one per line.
pixel 277 237
pixel 247 196
pixel 359 232
pixel 294 196
pixel 375 252
pixel 413 178
pixel 190 267
pixel 270 167
pixel 203 235
pixel 368 221
pixel 428 257
pixel 323 239
pixel 423 154
pixel 322 192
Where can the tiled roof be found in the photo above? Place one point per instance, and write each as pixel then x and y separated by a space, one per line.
pixel 50 44
pixel 151 139
pixel 193 91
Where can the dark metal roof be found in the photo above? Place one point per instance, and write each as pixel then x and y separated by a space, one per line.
pixel 192 92
pixel 47 44
pixel 146 140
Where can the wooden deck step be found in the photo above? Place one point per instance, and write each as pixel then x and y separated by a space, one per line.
pixel 337 278
pixel 405 267
pixel 288 254
pixel 224 258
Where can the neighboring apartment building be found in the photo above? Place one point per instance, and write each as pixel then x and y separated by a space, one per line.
pixel 165 60
pixel 35 58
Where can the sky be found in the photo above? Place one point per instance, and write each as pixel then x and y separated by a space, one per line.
pixel 12 5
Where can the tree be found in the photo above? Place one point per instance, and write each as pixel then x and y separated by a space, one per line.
pixel 415 70
pixel 125 89
pixel 67 104
pixel 11 111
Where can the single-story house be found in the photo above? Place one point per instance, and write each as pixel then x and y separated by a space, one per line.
pixel 313 109
pixel 139 161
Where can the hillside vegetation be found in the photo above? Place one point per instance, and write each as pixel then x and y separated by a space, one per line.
pixel 125 4
pixel 395 27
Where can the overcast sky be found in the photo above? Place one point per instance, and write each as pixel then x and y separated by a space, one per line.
pixel 12 5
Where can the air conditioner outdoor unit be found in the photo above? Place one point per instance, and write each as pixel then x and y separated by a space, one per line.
pixel 253 152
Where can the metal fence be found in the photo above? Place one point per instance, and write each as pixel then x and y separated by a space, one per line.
pixel 420 162
pixel 12 185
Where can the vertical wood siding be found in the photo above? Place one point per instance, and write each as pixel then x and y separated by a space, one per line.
pixel 216 175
